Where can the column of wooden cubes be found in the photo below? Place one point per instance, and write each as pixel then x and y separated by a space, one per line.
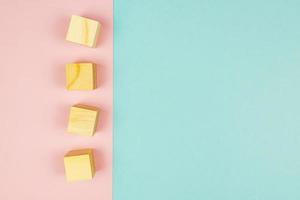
pixel 79 164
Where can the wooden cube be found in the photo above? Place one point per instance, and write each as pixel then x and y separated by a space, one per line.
pixel 83 31
pixel 79 165
pixel 83 120
pixel 81 76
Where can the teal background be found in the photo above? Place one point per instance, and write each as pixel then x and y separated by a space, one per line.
pixel 206 100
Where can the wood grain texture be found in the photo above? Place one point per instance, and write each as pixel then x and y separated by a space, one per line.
pixel 81 76
pixel 83 120
pixel 79 165
pixel 83 31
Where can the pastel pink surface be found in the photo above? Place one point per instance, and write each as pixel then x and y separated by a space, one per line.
pixel 34 103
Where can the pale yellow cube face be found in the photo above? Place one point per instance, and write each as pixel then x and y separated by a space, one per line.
pixel 81 76
pixel 83 31
pixel 79 165
pixel 83 120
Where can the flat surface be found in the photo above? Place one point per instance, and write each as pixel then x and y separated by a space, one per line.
pixel 34 103
pixel 207 100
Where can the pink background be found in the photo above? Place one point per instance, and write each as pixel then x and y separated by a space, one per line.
pixel 35 104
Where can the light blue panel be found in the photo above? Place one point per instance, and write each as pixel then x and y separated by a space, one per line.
pixel 207 100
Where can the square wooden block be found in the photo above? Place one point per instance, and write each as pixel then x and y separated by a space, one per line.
pixel 83 31
pixel 79 165
pixel 83 120
pixel 81 76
